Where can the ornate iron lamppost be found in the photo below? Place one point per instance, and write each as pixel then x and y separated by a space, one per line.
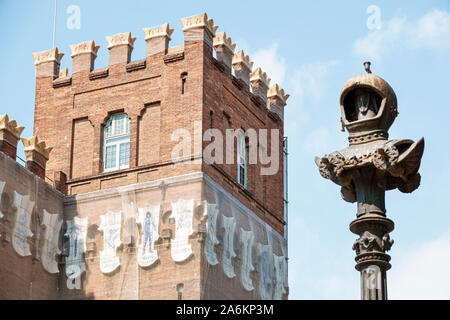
pixel 367 168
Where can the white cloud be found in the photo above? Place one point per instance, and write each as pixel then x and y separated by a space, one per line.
pixel 271 62
pixel 309 79
pixel 431 31
pixel 423 272
pixel 320 141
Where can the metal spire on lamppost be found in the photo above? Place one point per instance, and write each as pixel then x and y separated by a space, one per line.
pixel 367 168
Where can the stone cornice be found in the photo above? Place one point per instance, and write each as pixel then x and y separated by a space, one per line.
pixel 35 144
pixel 51 55
pixel 120 39
pixel 84 47
pixel 10 126
pixel 199 21
pixel 160 31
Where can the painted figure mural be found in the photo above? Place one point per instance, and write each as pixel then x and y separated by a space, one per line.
pixel 75 236
pixel 183 214
pixel 111 224
pixel 149 220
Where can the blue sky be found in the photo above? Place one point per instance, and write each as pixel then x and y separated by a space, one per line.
pixel 311 49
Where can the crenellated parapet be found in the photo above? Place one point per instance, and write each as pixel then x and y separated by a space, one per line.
pixel 9 135
pixel 47 62
pixel 224 48
pixel 120 47
pixel 83 56
pixel 199 27
pixel 260 83
pixel 158 39
pixel 37 154
pixel 277 100
pixel 242 66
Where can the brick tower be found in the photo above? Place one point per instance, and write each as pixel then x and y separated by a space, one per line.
pixel 148 210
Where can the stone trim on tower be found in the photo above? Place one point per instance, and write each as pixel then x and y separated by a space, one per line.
pixel 120 47
pixel 277 100
pixel 9 136
pixel 47 62
pixel 242 66
pixel 158 39
pixel 260 83
pixel 83 56
pixel 199 27
pixel 37 154
pixel 224 49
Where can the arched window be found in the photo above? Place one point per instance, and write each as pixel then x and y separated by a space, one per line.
pixel 241 159
pixel 116 143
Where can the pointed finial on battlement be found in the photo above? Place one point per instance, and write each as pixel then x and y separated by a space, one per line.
pixel 224 48
pixel 260 83
pixel 223 40
pixel 37 154
pixel 47 62
pixel 51 55
pixel 9 135
pixel 277 100
pixel 64 73
pixel 158 38
pixel 159 31
pixel 120 39
pixel 193 25
pixel 242 66
pixel 83 56
pixel 199 21
pixel 276 92
pixel 120 47
pixel 84 47
pixel 37 145
pixel 10 126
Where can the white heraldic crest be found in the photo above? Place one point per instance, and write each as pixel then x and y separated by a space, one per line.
pixel 265 271
pixel 228 246
pixel 2 186
pixel 183 213
pixel 211 211
pixel 280 276
pixel 22 225
pixel 76 233
pixel 52 223
pixel 149 220
pixel 111 224
pixel 247 239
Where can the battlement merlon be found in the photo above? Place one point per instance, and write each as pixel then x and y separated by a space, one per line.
pixel 277 100
pixel 260 83
pixel 199 28
pixel 158 39
pixel 83 56
pixel 120 47
pixel 242 66
pixel 37 154
pixel 9 136
pixel 47 63
pixel 224 49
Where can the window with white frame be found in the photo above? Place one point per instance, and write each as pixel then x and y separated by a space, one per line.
pixel 241 160
pixel 116 143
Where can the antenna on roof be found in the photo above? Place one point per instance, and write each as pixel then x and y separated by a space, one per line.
pixel 54 23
